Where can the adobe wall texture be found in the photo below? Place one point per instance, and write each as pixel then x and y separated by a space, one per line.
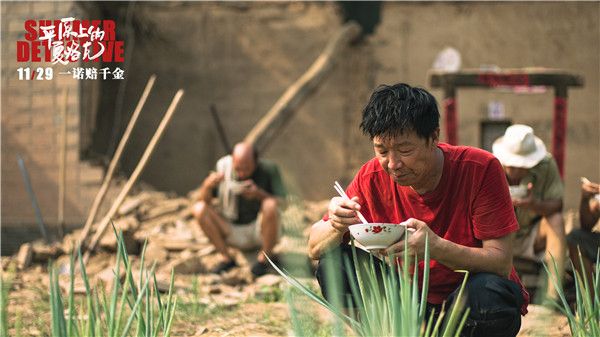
pixel 242 56
pixel 510 35
pixel 31 124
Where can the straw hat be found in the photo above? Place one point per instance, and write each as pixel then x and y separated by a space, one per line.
pixel 519 147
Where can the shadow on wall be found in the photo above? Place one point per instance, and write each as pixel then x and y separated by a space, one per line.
pixel 366 13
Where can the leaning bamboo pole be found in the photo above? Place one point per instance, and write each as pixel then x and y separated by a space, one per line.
pixel 113 163
pixel 134 176
pixel 269 126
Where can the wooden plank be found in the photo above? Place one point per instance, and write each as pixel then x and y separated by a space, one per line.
pixel 113 163
pixel 135 175
pixel 275 119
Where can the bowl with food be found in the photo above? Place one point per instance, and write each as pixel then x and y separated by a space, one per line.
pixel 377 235
pixel 518 191
pixel 237 186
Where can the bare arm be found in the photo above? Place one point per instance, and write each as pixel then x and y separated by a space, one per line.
pixel 327 234
pixel 323 236
pixel 205 191
pixel 589 207
pixel 547 207
pixel 494 257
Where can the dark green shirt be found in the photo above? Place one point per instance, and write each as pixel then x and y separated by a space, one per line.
pixel 267 177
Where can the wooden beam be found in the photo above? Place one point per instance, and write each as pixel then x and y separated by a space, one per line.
pixel 113 163
pixel 476 78
pixel 275 119
pixel 220 129
pixel 135 175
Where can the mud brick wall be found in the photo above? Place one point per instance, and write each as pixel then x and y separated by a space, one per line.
pixel 242 56
pixel 31 124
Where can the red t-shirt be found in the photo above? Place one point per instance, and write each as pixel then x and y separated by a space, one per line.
pixel 471 203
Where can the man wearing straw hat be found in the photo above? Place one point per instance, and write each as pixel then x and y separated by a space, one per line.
pixel 249 192
pixel 455 196
pixel 537 195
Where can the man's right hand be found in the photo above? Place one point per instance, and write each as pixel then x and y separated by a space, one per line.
pixel 589 189
pixel 342 213
pixel 213 179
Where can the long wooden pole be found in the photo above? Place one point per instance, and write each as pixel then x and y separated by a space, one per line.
pixel 268 127
pixel 220 129
pixel 62 168
pixel 113 163
pixel 135 175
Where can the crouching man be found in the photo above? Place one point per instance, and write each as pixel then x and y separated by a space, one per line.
pixel 457 196
pixel 249 192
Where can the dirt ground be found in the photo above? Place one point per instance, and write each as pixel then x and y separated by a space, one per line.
pixel 231 304
pixel 258 308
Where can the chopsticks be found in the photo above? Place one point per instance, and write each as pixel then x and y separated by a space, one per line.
pixel 343 194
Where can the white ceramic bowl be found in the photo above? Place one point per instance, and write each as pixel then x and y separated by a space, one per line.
pixel 518 191
pixel 237 187
pixel 377 235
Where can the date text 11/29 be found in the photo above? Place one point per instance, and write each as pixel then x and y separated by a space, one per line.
pixel 39 73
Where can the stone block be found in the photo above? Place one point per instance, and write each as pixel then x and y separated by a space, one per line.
pixel 24 256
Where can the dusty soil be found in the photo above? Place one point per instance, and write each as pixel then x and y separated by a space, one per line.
pixel 253 309
pixel 231 304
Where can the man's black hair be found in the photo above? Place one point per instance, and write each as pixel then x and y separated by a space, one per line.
pixel 399 108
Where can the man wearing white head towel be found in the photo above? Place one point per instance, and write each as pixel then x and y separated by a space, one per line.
pixel 537 195
pixel 248 191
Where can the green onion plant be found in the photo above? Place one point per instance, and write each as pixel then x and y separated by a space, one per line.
pixel 129 310
pixel 387 301
pixel 584 321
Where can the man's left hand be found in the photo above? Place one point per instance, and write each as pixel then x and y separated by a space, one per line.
pixel 416 240
pixel 252 191
pixel 528 202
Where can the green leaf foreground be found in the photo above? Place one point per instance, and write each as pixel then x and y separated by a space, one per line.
pixel 132 309
pixel 585 321
pixel 387 304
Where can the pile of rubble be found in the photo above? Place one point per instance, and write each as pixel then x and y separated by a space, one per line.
pixel 172 239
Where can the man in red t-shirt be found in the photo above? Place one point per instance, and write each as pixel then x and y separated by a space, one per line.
pixel 457 196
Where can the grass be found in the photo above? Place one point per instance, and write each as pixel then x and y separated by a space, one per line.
pixel 585 319
pixel 6 280
pixel 387 304
pixel 129 309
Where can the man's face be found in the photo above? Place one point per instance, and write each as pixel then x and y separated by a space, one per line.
pixel 243 167
pixel 406 157
pixel 515 174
